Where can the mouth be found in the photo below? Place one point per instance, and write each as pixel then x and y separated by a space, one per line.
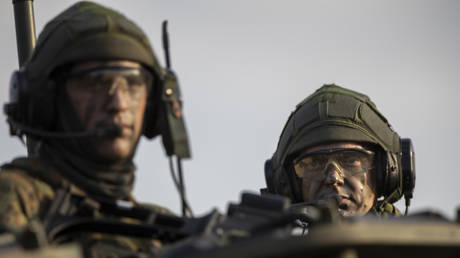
pixel 126 129
pixel 345 202
pixel 122 129
pixel 125 125
pixel 343 206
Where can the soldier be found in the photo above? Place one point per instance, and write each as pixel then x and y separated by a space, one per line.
pixel 89 91
pixel 336 145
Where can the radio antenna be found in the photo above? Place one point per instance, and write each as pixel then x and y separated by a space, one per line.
pixel 175 145
pixel 165 37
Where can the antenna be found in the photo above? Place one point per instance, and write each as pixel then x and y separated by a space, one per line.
pixel 25 29
pixel 175 138
pixel 165 38
pixel 24 21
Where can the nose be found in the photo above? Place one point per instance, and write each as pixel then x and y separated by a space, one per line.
pixel 334 175
pixel 117 101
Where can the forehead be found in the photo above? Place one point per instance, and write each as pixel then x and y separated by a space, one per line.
pixel 336 145
pixel 93 64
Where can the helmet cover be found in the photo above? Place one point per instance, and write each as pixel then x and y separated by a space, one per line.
pixel 331 114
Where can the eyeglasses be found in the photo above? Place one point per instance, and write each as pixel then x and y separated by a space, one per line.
pixel 106 80
pixel 352 161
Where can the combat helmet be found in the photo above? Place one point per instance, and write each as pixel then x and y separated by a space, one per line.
pixel 85 31
pixel 333 114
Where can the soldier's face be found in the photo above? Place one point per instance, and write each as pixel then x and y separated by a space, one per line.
pixel 341 171
pixel 106 95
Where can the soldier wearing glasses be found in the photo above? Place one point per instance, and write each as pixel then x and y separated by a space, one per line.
pixel 87 94
pixel 337 146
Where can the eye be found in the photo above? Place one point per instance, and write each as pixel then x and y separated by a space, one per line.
pixel 312 163
pixel 82 85
pixel 135 80
pixel 315 164
pixel 351 160
pixel 137 88
pixel 103 84
pixel 94 83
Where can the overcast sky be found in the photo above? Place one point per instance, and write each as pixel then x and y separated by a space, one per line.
pixel 244 65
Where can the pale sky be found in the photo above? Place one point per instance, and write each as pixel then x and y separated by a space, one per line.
pixel 244 65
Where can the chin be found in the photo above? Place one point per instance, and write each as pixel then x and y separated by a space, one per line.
pixel 115 150
pixel 348 213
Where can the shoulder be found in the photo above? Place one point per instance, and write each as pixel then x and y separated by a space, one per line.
pixel 21 194
pixel 25 174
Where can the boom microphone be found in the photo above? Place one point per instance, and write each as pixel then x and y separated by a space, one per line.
pixel 109 132
pixel 101 132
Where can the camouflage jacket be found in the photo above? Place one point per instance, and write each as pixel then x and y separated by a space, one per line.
pixel 27 189
pixel 385 210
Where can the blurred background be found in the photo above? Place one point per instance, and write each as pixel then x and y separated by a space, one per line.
pixel 244 65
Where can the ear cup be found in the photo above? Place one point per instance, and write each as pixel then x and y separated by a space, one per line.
pixel 16 112
pixel 32 104
pixel 295 184
pixel 380 161
pixel 282 181
pixel 388 174
pixel 42 113
pixel 151 125
pixel 396 172
pixel 393 176
pixel 153 111
pixel 407 167
pixel 268 170
pixel 381 170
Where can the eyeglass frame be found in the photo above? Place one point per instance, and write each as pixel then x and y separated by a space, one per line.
pixel 330 151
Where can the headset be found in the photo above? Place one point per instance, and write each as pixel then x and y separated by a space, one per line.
pixel 32 106
pixel 395 175
pixel 333 113
pixel 32 111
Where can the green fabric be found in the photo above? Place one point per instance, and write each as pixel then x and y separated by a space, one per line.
pixel 385 210
pixel 333 114
pixel 99 180
pixel 89 31
pixel 27 189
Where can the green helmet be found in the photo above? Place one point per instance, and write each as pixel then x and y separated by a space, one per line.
pixel 335 114
pixel 85 31
pixel 89 31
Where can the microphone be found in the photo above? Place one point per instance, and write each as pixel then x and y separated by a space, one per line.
pixel 109 132
pixel 100 132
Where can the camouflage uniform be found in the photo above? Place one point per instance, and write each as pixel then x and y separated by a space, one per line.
pixel 386 210
pixel 27 190
pixel 28 186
